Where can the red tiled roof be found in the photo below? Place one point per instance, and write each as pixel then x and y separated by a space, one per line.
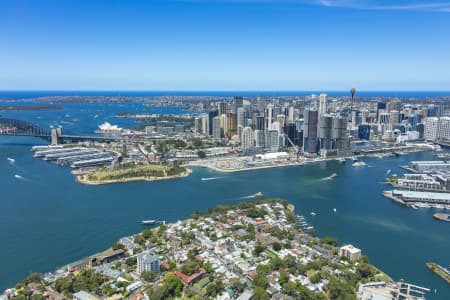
pixel 188 279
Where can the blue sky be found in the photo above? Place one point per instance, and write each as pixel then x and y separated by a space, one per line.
pixel 224 45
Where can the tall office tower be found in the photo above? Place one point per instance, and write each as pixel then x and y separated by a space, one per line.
pixel 205 124
pixel 394 117
pixel 211 115
pixel 260 123
pixel 413 120
pixel 248 139
pixel 269 114
pixel 381 107
pixel 394 104
pixel 365 116
pixel 383 118
pixel 444 129
pixel 356 119
pixel 431 128
pixel 314 102
pixel 241 117
pixel 223 125
pixel 340 135
pixel 291 114
pixel 260 104
pixel 364 132
pixel 271 140
pixel 259 138
pixel 310 138
pixel 282 120
pixel 434 110
pixel 231 125
pixel 421 130
pixel 223 108
pixel 323 104
pixel 276 126
pixel 216 128
pixel 239 132
pixel 238 101
pixel 325 132
pixel 198 125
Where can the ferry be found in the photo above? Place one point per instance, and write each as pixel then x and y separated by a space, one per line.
pixel 258 194
pixel 359 164
pixel 148 222
pixel 442 217
pixel 334 175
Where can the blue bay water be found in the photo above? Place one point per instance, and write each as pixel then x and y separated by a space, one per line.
pixel 48 220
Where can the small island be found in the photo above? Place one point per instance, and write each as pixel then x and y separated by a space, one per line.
pixel 133 173
pixel 249 250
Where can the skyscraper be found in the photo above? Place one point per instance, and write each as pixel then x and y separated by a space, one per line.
pixel 325 132
pixel 223 108
pixel 310 137
pixel 269 114
pixel 247 140
pixel 260 123
pixel 216 128
pixel 211 115
pixel 323 104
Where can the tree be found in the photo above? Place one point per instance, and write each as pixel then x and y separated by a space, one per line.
pixel 237 285
pixel 283 278
pixel 131 261
pixel 190 267
pixel 201 154
pixel 330 241
pixel 276 246
pixel 147 275
pixel 117 246
pixel 290 288
pixel 259 248
pixel 261 281
pixel 260 294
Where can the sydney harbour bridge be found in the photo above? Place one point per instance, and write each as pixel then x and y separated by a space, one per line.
pixel 55 136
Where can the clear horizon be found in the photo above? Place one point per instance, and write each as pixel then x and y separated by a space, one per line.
pixel 225 45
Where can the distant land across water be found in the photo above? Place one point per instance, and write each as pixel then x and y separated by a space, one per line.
pixel 43 93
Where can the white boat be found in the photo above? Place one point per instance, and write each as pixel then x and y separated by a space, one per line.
pixel 11 160
pixel 313 213
pixel 334 210
pixel 18 177
pixel 359 164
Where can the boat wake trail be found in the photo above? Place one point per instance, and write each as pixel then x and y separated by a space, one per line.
pixel 248 197
pixel 19 177
pixel 210 178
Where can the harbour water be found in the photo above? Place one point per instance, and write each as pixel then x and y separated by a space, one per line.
pixel 48 220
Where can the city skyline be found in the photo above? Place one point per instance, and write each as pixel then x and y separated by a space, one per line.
pixel 225 45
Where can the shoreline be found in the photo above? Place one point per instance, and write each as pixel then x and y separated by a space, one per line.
pixel 206 164
pixel 82 179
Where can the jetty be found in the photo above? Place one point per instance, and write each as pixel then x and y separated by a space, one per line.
pixel 440 271
pixel 152 222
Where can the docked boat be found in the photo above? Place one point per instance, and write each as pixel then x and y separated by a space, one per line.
pixel 148 222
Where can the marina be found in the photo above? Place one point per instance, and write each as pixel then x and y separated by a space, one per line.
pixel 302 223
pixel 76 157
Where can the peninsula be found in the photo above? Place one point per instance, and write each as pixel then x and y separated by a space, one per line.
pixel 249 250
